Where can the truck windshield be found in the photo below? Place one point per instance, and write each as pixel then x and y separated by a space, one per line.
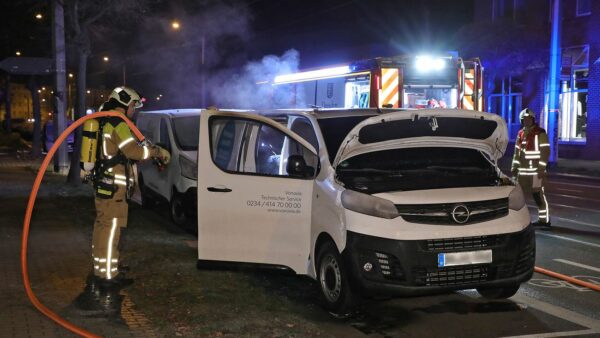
pixel 186 130
pixel 334 131
pixel 416 169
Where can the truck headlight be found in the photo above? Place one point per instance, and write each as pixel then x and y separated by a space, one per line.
pixel 516 199
pixel 368 205
pixel 189 168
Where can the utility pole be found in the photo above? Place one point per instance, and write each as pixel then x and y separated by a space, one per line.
pixel 203 77
pixel 553 81
pixel 61 164
pixel 36 149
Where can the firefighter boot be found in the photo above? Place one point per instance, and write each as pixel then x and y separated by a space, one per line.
pixel 118 282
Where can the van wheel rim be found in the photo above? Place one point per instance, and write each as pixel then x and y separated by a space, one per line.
pixel 331 279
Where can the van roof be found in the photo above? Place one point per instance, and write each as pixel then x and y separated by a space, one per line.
pixel 322 113
pixel 174 112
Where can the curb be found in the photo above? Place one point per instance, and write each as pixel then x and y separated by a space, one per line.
pixel 579 176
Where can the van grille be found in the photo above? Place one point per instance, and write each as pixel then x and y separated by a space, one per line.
pixel 452 276
pixel 461 243
pixel 442 214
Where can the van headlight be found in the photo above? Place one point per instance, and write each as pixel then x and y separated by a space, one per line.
pixel 368 205
pixel 189 169
pixel 516 199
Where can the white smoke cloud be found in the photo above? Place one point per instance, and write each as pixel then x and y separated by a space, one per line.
pixel 244 90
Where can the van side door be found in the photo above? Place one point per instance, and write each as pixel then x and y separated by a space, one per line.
pixel 255 182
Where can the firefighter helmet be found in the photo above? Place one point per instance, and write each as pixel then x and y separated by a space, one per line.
pixel 526 113
pixel 125 95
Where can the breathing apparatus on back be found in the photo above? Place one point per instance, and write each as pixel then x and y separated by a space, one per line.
pixel 120 97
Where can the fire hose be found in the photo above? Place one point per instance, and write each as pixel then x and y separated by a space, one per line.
pixel 36 185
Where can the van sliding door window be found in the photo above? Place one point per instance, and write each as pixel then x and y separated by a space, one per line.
pixel 251 147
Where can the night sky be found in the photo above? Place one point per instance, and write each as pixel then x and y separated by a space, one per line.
pixel 237 35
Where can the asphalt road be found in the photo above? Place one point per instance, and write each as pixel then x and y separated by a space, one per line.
pixel 543 307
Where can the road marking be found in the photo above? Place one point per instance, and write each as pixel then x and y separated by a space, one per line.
pixel 568 239
pixel 568 207
pixel 557 284
pixel 556 334
pixel 573 196
pixel 571 190
pixel 590 186
pixel 577 264
pixel 576 222
pixel 559 312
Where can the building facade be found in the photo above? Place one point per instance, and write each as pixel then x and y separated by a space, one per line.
pixel 578 126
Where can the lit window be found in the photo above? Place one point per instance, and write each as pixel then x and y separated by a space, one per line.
pixel 584 7
pixel 574 94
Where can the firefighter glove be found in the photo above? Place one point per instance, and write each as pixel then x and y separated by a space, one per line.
pixel 163 155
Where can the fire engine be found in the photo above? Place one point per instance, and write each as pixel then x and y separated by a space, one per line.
pixel 403 81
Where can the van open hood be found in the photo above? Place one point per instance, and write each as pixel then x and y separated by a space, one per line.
pixel 453 128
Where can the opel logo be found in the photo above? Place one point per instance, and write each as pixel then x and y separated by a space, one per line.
pixel 460 214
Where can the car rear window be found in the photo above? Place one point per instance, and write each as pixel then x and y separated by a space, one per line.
pixel 479 129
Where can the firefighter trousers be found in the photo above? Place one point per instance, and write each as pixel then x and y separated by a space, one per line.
pixel 536 186
pixel 111 215
pixel 542 204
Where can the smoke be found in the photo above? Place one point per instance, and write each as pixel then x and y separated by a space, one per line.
pixel 252 87
pixel 170 66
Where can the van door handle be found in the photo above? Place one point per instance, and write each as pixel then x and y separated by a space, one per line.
pixel 214 189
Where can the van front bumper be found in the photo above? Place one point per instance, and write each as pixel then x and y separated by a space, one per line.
pixel 410 268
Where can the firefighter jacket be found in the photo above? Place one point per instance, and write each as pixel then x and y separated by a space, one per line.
pixel 118 147
pixel 532 150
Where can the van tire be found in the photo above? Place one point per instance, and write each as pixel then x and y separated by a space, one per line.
pixel 177 209
pixel 499 293
pixel 333 281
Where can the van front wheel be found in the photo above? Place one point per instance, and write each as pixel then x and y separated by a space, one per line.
pixel 333 281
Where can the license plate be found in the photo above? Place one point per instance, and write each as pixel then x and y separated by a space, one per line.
pixel 464 258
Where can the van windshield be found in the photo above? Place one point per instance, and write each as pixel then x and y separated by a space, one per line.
pixel 416 169
pixel 186 130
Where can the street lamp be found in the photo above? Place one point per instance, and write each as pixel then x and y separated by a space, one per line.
pixel 175 24
pixel 39 16
pixel 105 59
pixel 18 53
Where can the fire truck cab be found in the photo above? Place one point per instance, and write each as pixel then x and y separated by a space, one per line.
pixel 404 81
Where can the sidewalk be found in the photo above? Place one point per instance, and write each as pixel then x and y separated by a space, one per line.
pixel 57 271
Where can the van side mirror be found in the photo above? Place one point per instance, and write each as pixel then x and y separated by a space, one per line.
pixel 296 167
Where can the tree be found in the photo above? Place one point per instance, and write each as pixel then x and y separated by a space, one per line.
pixel 83 18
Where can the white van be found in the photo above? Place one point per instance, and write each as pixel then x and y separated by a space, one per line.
pixel 367 202
pixel 177 131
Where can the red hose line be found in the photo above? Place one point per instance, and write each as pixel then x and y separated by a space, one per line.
pixel 567 278
pixel 36 185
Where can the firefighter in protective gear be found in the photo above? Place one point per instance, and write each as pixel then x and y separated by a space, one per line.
pixel 117 147
pixel 532 150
